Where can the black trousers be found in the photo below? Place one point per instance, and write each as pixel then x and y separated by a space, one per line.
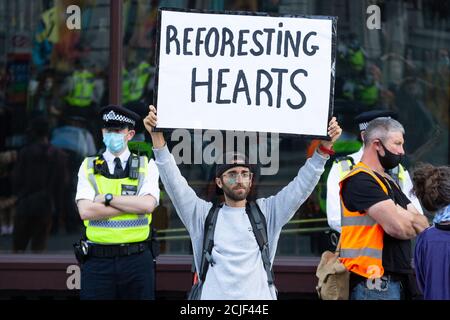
pixel 119 278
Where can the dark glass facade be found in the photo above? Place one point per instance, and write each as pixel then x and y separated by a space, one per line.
pixel 404 66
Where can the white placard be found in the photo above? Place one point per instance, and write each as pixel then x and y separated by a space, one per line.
pixel 245 72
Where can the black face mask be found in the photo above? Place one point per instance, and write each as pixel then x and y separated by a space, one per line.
pixel 389 160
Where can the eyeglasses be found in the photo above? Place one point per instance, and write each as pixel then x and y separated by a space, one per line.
pixel 233 176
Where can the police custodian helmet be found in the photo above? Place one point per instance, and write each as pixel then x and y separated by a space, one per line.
pixel 364 118
pixel 114 116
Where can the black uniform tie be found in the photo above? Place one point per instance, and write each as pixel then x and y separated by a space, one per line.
pixel 118 170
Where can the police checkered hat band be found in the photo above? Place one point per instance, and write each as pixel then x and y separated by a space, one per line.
pixel 112 116
pixel 364 118
pixel 363 125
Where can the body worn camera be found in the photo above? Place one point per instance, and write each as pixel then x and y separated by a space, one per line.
pixel 134 167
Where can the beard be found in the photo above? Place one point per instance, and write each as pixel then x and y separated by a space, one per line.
pixel 238 192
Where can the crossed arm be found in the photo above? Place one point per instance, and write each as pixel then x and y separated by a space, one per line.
pixel 96 210
pixel 396 221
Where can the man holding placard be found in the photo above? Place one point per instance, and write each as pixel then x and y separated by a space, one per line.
pixel 216 71
pixel 235 266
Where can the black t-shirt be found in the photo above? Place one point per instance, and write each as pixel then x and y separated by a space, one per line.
pixel 362 191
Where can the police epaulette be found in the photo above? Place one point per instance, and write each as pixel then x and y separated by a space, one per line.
pixel 100 166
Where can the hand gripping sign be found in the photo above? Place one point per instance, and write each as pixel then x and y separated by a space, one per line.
pixel 245 72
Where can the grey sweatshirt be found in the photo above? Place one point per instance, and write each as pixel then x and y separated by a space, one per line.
pixel 238 272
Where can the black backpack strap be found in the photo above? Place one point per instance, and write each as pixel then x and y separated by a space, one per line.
pixel 208 241
pixel 259 226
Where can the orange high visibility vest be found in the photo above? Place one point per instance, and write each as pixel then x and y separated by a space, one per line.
pixel 362 237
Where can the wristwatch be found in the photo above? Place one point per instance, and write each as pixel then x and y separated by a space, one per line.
pixel 108 198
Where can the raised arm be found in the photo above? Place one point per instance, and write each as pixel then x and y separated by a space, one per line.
pixel 191 209
pixel 281 207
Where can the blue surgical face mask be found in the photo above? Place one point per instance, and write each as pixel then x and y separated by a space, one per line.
pixel 114 142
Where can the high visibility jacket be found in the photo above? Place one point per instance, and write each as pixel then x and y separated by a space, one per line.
pixel 367 94
pixel 135 82
pixel 83 89
pixel 125 86
pixel 362 237
pixel 50 31
pixel 399 176
pixel 127 227
pixel 356 59
pixel 344 167
pixel 398 173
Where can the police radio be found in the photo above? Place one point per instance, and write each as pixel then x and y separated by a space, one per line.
pixel 134 167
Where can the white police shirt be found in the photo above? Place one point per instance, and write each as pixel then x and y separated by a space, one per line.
pixel 149 187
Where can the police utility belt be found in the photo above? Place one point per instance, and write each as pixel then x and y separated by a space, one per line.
pixel 110 251
pixel 84 249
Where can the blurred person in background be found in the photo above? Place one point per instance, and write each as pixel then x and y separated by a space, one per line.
pixel 39 179
pixel 432 251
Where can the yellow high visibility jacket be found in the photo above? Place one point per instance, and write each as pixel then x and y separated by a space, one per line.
pixel 83 89
pixel 128 227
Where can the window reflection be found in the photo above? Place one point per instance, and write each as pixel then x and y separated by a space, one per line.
pixel 48 72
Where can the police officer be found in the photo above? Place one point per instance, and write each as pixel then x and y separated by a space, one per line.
pixel 116 193
pixel 136 82
pixel 341 166
pixel 137 93
pixel 358 85
pixel 82 92
pixel 82 89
